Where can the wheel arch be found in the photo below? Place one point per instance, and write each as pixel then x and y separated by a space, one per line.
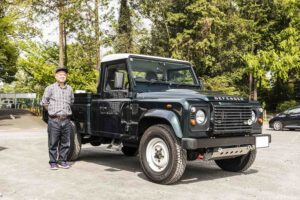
pixel 159 116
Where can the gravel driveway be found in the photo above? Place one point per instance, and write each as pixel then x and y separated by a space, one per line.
pixel 102 174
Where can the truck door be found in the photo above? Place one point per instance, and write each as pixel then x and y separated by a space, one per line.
pixel 109 116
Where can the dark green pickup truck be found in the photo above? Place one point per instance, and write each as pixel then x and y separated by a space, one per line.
pixel 155 108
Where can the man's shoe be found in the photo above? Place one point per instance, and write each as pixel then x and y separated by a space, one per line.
pixel 64 165
pixel 53 166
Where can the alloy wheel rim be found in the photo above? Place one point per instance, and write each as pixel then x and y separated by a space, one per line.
pixel 277 126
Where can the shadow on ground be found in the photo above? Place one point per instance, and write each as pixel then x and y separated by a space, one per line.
pixel 196 171
pixel 13 113
pixel 2 148
pixel 284 130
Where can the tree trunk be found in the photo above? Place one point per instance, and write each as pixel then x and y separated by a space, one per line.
pixel 250 85
pixel 65 46
pixel 254 89
pixel 61 27
pixel 97 34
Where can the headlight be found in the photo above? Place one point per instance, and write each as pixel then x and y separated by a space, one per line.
pixel 200 117
pixel 193 109
pixel 253 118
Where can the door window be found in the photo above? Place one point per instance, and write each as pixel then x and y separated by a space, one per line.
pixel 294 111
pixel 112 71
pixel 116 82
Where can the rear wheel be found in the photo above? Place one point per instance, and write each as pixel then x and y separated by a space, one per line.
pixel 237 164
pixel 161 156
pixel 277 125
pixel 75 145
pixel 129 151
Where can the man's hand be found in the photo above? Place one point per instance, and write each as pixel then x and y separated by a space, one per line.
pixel 46 106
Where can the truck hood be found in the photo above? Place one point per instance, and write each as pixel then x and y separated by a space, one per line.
pixel 191 94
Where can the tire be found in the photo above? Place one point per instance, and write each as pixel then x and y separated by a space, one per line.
pixel 160 141
pixel 75 145
pixel 238 164
pixel 129 151
pixel 277 126
pixel 192 155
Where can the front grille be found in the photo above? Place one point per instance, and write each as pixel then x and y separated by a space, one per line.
pixel 231 119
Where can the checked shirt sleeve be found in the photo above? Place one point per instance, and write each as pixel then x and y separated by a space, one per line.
pixel 46 96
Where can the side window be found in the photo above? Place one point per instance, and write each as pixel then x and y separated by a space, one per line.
pixel 294 111
pixel 114 73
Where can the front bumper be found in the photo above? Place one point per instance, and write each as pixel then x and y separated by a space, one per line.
pixel 260 140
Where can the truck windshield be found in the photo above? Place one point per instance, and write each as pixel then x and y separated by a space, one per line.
pixel 161 72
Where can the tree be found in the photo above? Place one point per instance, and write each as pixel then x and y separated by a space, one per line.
pixel 97 34
pixel 276 50
pixel 231 42
pixel 8 50
pixel 62 34
pixel 123 42
pixel 158 42
pixel 49 10
pixel 40 60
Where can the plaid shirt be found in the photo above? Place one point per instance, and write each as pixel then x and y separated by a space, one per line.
pixel 58 99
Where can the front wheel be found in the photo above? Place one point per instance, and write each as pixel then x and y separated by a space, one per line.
pixel 237 164
pixel 161 156
pixel 277 125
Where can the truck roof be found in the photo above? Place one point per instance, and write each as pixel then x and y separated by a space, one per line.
pixel 120 56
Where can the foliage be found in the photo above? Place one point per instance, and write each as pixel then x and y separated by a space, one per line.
pixel 286 105
pixel 8 50
pixel 226 41
pixel 39 62
pixel 82 75
pixel 124 38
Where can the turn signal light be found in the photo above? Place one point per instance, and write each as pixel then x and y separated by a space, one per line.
pixel 193 122
pixel 169 106
pixel 260 120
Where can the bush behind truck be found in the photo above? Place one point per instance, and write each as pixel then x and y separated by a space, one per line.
pixel 155 107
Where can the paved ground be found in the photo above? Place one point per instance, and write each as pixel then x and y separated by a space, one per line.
pixel 100 174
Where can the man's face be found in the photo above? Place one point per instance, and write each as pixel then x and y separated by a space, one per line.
pixel 61 76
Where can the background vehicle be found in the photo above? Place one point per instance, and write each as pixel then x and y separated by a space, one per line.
pixel 7 104
pixel 155 107
pixel 289 119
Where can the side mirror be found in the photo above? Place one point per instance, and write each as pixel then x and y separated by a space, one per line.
pixel 119 80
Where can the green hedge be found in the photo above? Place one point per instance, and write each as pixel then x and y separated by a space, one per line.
pixel 286 105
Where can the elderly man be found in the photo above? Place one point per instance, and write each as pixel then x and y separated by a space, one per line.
pixel 57 99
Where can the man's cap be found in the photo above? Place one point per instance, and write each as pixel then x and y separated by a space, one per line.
pixel 61 69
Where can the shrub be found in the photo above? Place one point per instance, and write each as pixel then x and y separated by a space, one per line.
pixel 286 105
